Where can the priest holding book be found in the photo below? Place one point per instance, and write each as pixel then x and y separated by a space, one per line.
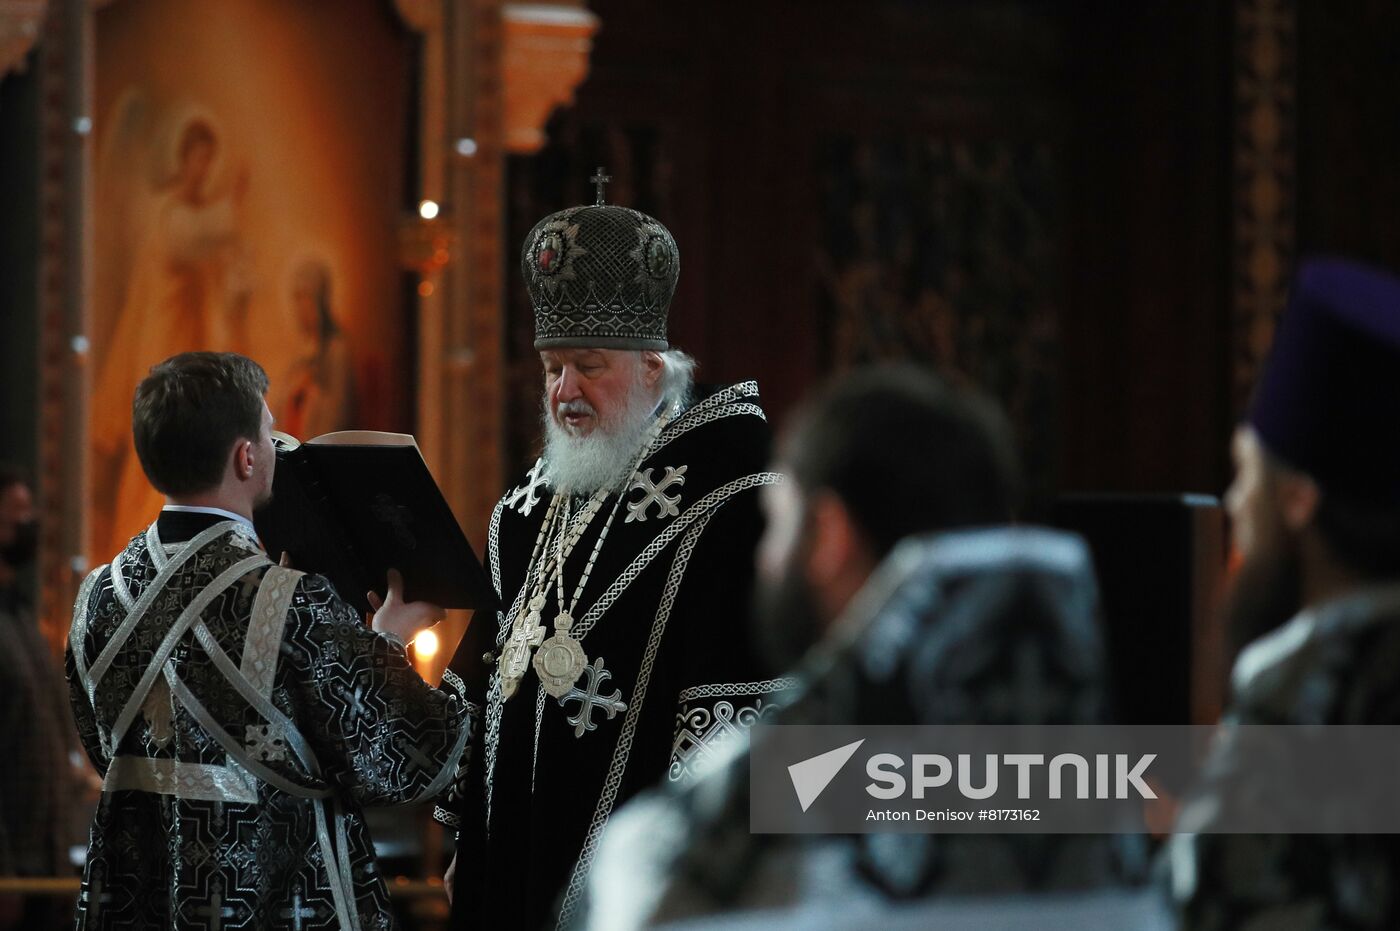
pixel 240 712
pixel 624 565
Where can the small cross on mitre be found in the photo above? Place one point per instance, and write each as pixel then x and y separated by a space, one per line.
pixel 599 179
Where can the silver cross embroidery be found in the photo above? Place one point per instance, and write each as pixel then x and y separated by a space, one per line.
pixel 265 742
pixel 417 761
pixel 298 911
pixel 655 493
pixel 215 911
pixel 589 699
pixel 93 898
pixel 354 703
pixel 527 493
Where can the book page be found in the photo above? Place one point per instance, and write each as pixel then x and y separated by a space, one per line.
pixel 284 441
pixel 364 438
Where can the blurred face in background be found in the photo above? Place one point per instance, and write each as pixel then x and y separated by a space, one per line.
pixel 1267 589
pixel 787 615
pixel 19 528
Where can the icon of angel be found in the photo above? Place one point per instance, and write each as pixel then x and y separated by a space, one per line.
pixel 171 276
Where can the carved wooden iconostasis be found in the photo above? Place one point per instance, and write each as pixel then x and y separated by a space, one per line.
pixel 314 184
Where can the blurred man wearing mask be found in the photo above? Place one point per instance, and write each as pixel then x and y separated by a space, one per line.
pixel 37 780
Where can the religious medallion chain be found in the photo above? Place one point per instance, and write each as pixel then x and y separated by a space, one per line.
pixel 560 661
pixel 527 629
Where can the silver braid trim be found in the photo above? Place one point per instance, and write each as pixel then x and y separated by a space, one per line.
pixel 623 750
pixel 686 424
pixel 738 689
pixel 677 526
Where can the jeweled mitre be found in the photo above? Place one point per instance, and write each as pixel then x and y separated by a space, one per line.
pixel 600 276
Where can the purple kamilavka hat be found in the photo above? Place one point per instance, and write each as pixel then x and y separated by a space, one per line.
pixel 1328 403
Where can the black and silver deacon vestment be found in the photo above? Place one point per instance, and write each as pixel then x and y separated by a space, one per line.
pixel 240 714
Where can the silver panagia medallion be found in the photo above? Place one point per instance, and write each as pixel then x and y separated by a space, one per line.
pixel 560 660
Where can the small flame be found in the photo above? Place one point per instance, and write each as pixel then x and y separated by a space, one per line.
pixel 426 644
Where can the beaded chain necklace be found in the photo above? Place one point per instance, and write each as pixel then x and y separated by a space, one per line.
pixel 560 660
pixel 526 629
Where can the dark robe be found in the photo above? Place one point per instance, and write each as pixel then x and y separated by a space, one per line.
pixel 234 768
pixel 993 627
pixel 37 779
pixel 1338 663
pixel 670 597
pixel 40 793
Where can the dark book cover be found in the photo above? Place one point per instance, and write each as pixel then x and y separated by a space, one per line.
pixel 353 511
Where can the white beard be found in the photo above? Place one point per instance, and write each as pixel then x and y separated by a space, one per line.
pixel 604 458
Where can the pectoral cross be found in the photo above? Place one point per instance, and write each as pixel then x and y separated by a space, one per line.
pixel 599 179
pixel 297 912
pixel 515 656
pixel 590 699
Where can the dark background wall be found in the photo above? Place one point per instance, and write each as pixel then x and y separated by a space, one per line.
pixel 1035 197
pixel 19 272
pixel 1349 129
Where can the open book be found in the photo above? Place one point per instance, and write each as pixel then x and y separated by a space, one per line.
pixel 353 505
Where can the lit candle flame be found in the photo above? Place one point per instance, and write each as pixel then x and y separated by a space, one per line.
pixel 426 644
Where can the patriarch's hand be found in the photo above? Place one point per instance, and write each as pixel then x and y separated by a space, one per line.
pixel 403 619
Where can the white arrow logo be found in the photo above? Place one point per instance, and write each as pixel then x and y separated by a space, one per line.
pixel 811 777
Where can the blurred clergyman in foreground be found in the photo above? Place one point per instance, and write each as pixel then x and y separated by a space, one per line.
pixel 240 712
pixel 887 563
pixel 1315 509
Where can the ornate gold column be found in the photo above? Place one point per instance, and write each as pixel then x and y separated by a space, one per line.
pixel 492 73
pixel 65 261
pixel 546 59
pixel 454 246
